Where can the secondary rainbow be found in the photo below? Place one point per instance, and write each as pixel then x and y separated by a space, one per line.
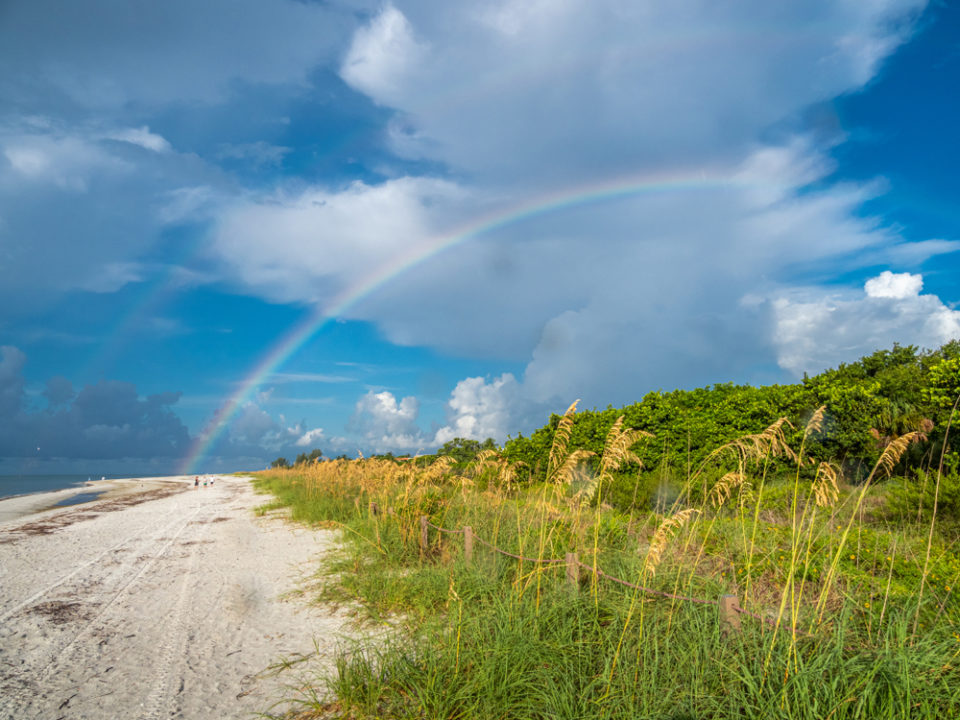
pixel 299 334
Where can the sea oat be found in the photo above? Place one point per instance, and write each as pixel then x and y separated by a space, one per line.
pixel 815 423
pixel 825 491
pixel 891 455
pixel 663 534
pixel 616 449
pixel 724 487
pixel 567 472
pixel 558 451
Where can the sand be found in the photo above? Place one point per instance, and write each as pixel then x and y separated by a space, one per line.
pixel 157 600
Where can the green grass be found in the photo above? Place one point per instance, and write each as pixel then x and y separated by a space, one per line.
pixel 500 638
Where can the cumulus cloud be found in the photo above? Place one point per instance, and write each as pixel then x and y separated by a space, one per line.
pixel 620 175
pixel 311 438
pixel 383 424
pixel 86 92
pixel 111 199
pixel 324 241
pixel 564 91
pixel 614 264
pixel 62 160
pixel 108 420
pixel 381 55
pixel 478 409
pixel 814 333
pixel 894 285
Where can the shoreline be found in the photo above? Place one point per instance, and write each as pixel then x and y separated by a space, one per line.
pixel 16 507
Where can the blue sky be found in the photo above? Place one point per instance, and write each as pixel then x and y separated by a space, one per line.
pixel 490 210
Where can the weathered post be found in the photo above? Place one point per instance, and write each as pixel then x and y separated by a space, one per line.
pixel 729 614
pixel 424 535
pixel 468 544
pixel 573 570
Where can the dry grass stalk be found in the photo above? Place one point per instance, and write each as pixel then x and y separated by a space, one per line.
pixel 825 490
pixel 894 451
pixel 485 459
pixel 815 423
pixel 663 535
pixel 507 472
pixel 566 473
pixel 757 446
pixel 616 449
pixel 558 450
pixel 724 487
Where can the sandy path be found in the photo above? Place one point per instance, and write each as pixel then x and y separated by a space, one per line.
pixel 164 604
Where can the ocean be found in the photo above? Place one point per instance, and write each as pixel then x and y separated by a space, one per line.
pixel 24 484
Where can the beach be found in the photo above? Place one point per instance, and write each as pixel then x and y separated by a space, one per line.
pixel 156 600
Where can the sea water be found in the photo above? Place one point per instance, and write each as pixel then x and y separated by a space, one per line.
pixel 26 484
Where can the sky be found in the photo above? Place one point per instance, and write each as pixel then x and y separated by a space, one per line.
pixel 237 230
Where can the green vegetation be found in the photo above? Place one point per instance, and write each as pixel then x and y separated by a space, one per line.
pixel 869 402
pixel 836 533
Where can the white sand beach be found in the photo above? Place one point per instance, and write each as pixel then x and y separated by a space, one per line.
pixel 156 600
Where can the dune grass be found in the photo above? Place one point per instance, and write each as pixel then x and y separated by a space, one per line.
pixel 857 611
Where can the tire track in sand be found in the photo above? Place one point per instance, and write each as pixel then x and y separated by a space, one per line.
pixel 95 561
pixel 171 652
pixel 33 678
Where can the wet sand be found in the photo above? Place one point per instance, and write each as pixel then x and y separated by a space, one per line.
pixel 156 600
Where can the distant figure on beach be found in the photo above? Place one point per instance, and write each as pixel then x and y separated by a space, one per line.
pixel 204 482
pixel 196 481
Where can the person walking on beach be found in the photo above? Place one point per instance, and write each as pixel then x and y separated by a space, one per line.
pixel 196 481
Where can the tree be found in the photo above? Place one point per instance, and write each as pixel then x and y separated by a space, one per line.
pixel 943 383
pixel 280 462
pixel 305 458
pixel 464 450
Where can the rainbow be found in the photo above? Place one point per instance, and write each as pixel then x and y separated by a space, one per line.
pixel 300 333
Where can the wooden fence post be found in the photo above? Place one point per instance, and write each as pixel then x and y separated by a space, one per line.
pixel 424 534
pixel 729 614
pixel 573 570
pixel 468 544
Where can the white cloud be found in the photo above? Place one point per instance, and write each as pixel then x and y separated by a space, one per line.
pixel 381 55
pixel 67 161
pixel 478 409
pixel 817 331
pixel 584 89
pixel 323 241
pixel 382 424
pixel 682 91
pixel 111 202
pixel 891 285
pixel 142 137
pixel 311 438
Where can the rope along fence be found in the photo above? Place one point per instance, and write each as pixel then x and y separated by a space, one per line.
pixel 730 610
